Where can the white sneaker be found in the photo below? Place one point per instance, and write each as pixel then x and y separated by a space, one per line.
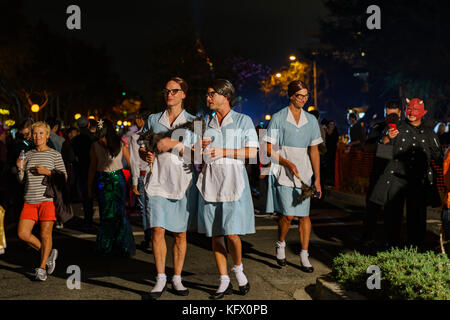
pixel 59 225
pixel 51 262
pixel 41 274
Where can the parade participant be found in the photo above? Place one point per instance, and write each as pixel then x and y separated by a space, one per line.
pixel 409 175
pixel 172 198
pixel 295 132
pixel 37 164
pixel 114 236
pixel 139 169
pixel 225 208
pixel 377 131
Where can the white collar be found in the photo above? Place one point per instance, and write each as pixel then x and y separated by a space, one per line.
pixel 164 120
pixel 301 122
pixel 214 123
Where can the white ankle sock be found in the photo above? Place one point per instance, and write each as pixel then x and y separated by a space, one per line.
pixel 224 282
pixel 176 281
pixel 304 258
pixel 240 276
pixel 280 250
pixel 161 280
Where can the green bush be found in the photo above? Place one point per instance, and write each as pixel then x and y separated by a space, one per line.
pixel 405 274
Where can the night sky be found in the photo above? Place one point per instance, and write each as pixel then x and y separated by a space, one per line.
pixel 264 31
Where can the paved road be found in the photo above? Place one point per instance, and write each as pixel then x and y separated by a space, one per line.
pixel 336 228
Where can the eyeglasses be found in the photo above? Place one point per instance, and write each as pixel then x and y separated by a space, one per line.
pixel 171 91
pixel 211 94
pixel 302 96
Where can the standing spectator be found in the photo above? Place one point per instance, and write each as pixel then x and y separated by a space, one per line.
pixel 92 126
pixel 39 163
pixel 439 129
pixel 114 235
pixel 377 131
pixel 297 134
pixel 409 177
pixel 81 145
pixel 68 156
pixel 355 132
pixel 331 141
pixel 139 170
pixel 56 140
pixel 225 209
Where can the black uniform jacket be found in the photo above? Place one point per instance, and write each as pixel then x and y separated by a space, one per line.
pixel 413 148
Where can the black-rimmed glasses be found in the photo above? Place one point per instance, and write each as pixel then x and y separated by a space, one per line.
pixel 171 91
pixel 210 94
pixel 302 96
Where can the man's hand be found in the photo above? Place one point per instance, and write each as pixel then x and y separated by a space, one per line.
pixel 292 168
pixel 215 153
pixel 164 145
pixel 392 133
pixel 135 191
pixel 318 188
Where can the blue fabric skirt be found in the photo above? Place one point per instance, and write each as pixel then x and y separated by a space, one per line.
pixel 281 198
pixel 174 215
pixel 227 218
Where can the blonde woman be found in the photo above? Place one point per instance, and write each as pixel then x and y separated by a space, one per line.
pixel 39 162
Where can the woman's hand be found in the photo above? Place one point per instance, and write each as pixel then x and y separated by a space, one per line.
pixel 215 153
pixel 43 170
pixel 20 163
pixel 292 168
pixel 135 190
pixel 164 145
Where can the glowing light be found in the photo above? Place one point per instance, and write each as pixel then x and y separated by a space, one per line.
pixel 35 108
pixel 361 115
pixel 119 123
pixel 4 112
pixel 363 54
pixel 268 117
pixel 10 122
pixel 292 58
pixel 278 75
pixel 125 123
pixel 77 116
pixel 91 117
pixel 311 108
pixel 261 123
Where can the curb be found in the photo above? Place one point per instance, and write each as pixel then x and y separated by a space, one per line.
pixel 328 289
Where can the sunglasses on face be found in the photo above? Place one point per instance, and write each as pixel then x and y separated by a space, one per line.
pixel 171 91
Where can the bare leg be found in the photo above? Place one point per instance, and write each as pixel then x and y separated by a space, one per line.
pixel 304 229
pixel 179 252
pixel 284 222
pixel 159 249
pixel 24 232
pixel 220 254
pixel 235 245
pixel 46 241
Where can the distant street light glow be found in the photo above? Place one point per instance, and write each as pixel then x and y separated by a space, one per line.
pixel 35 108
pixel 278 75
pixel 119 123
pixel 91 117
pixel 77 116
pixel 292 58
pixel 268 117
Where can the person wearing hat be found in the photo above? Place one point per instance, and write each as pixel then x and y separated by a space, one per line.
pixel 81 145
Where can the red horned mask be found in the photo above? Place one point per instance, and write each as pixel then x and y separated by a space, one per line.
pixel 415 108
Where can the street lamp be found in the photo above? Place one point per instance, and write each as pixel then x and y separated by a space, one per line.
pixel 119 123
pixel 278 75
pixel 268 117
pixel 35 108
pixel 77 116
pixel 292 58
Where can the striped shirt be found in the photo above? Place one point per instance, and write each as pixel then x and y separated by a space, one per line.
pixel 34 190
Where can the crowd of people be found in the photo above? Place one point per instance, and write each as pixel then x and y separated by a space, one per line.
pixel 176 192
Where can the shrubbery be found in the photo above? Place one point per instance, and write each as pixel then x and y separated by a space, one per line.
pixel 405 274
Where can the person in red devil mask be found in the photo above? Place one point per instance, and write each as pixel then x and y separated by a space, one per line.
pixel 409 176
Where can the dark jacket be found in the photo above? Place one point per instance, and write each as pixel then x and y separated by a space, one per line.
pixel 413 148
pixel 58 189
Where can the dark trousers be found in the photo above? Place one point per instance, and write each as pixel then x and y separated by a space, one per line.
pixel 416 215
pixel 88 204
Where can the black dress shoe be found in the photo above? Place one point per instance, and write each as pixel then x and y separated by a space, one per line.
pixel 180 292
pixel 243 290
pixel 281 262
pixel 307 269
pixel 220 295
pixel 157 294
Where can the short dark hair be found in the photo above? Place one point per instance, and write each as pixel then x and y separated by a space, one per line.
pixel 183 84
pixel 352 115
pixel 393 104
pixel 224 88
pixel 295 86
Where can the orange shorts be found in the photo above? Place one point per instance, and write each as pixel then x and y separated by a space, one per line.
pixel 44 211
